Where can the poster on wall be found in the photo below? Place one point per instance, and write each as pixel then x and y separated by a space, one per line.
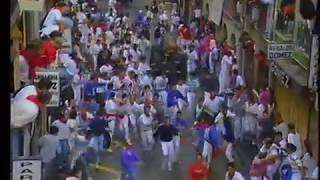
pixel 215 11
pixel 280 51
pixel 55 88
pixel 26 169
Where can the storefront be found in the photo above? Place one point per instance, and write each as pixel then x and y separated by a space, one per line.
pixel 293 102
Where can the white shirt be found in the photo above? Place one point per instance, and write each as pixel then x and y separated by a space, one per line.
pixel 64 130
pixel 239 81
pixel 73 124
pixel 197 13
pixel 237 176
pixel 111 107
pixel 109 36
pixel 23 69
pixel 283 128
pixel 213 105
pixel 183 89
pixel 219 120
pixel 25 92
pixel 193 56
pixel 81 17
pixel 146 122
pixel 160 83
pixel 309 163
pixel 116 82
pixel 49 147
pixel 53 18
pixel 295 139
pixel 143 68
pixel 71 67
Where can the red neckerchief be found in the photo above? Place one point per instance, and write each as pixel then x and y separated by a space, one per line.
pixel 36 100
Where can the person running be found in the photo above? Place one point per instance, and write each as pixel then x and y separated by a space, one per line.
pixel 166 132
pixel 232 173
pixel 199 170
pixel 130 161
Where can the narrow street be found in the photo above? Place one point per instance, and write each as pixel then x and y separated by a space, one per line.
pixel 151 167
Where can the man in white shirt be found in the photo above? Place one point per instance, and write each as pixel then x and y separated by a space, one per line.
pixel 232 174
pixel 213 104
pixel 295 139
pixel 96 49
pixel 193 59
pixel 145 122
pixel 64 135
pixel 43 85
pixel 237 81
pixel 55 15
pixel 182 87
pixel 49 147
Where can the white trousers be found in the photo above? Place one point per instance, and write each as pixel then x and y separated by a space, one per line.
pixel 147 139
pixel 168 152
pixel 133 121
pixel 176 145
pixel 112 125
pixel 237 127
pixel 172 112
pixel 191 98
pixel 181 104
pixel 163 97
pixel 207 152
pixel 77 94
pixel 229 152
pixel 95 62
pixel 124 127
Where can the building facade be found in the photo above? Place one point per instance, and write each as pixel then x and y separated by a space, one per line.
pixel 276 22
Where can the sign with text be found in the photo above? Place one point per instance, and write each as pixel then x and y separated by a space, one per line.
pixel 25 169
pixel 55 88
pixel 280 74
pixel 280 51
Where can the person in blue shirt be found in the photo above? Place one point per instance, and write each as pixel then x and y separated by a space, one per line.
pixel 180 123
pixel 98 127
pixel 109 93
pixel 90 87
pixel 130 160
pixel 89 105
pixel 172 102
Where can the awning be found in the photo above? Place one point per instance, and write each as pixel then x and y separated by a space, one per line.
pixel 31 5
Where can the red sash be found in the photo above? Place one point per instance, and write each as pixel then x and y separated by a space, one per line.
pixel 36 100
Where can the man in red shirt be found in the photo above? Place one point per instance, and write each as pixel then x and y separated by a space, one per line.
pixel 198 170
pixel 51 46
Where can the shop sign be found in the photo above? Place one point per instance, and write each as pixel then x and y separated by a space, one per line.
pixel 26 169
pixel 280 51
pixel 280 74
pixel 55 88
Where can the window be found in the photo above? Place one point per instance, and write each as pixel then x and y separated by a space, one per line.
pixel 304 38
pixel 261 16
pixel 285 17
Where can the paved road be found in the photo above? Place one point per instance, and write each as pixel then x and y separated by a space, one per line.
pixel 151 169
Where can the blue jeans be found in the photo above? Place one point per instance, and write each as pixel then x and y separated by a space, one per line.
pixel 98 146
pixel 129 175
pixel 65 150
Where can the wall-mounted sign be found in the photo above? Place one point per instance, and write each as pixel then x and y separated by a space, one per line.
pixel 55 88
pixel 26 169
pixel 280 74
pixel 280 51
